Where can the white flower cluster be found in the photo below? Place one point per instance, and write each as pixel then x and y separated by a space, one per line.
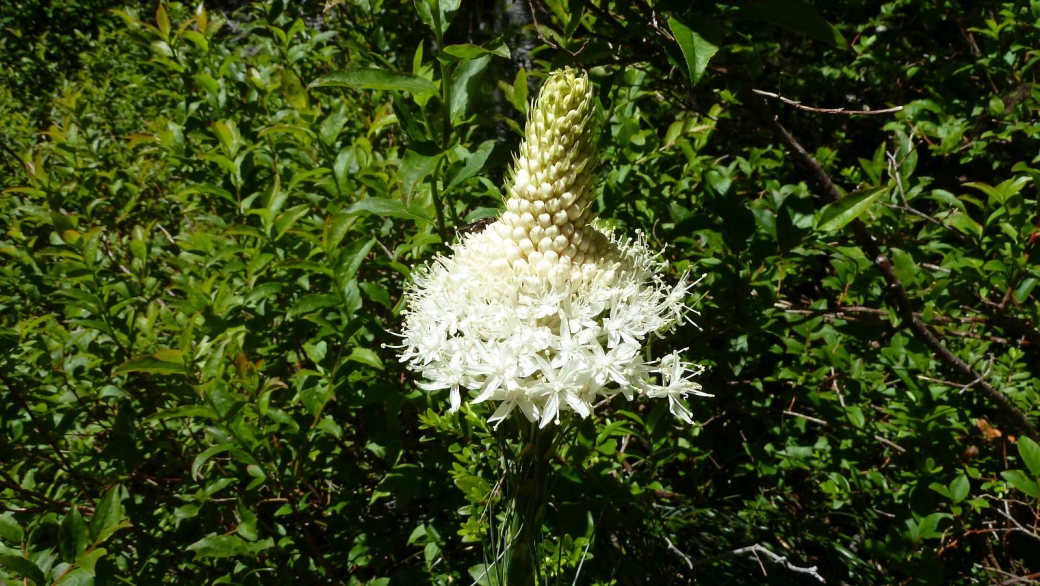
pixel 542 311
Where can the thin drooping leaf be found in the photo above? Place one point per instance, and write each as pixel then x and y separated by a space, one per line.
pixel 376 79
pixel 222 546
pixel 470 51
pixel 151 364
pixel 385 207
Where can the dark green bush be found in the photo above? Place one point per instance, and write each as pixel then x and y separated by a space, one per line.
pixel 209 217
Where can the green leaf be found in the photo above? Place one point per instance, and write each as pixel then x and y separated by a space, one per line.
pixel 437 14
pixel 89 560
pixel 205 456
pixel 366 356
pixel 928 529
pixel 288 218
pixel 350 260
pixel 313 302
pixel 294 92
pixel 184 411
pixel 162 22
pixel 959 488
pixel 699 42
pixel 384 207
pixel 941 490
pixel 855 415
pixel 10 530
pixel 795 16
pixel 108 515
pixel 836 215
pixel 469 51
pixel 247 522
pixel 1019 480
pixel 474 165
pixel 207 83
pixel 78 577
pixel 222 546
pixel 414 168
pixel 338 226
pixel 377 79
pixel 964 223
pixel 464 82
pixel 151 364
pixel 262 291
pixel 333 125
pixel 73 536
pixel 23 567
pixel 229 136
pixel 1030 452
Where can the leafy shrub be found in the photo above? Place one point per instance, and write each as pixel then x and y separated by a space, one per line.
pixel 207 237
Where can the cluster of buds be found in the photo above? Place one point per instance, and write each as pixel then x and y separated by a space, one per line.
pixel 543 311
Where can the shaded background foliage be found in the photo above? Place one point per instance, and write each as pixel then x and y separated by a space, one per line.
pixel 209 214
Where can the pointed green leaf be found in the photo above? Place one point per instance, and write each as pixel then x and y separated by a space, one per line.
pixel 222 546
pixel 469 51
pixel 377 79
pixel 699 42
pixel 835 216
pixel 392 208
pixel 313 302
pixel 474 164
pixel 151 364
pixel 333 125
pixel 108 515
pixel 73 536
pixel 464 82
pixel 414 168
pixel 350 260
pixel 288 218
pixel 24 568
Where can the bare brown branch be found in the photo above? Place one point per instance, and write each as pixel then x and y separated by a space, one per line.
pixel 842 111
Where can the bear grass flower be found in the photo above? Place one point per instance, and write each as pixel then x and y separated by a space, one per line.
pixel 543 311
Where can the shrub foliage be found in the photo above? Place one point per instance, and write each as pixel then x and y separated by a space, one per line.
pixel 209 214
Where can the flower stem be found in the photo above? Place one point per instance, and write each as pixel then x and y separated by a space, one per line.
pixel 530 497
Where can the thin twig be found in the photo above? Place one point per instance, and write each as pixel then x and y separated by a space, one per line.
pixel 805 417
pixel 671 547
pixel 754 550
pixel 842 111
pixel 896 290
pixel 890 444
